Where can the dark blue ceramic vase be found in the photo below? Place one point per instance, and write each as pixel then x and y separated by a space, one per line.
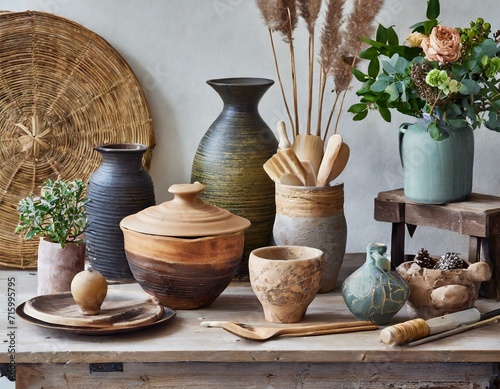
pixel 118 188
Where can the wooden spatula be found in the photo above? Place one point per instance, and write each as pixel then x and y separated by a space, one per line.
pixel 264 333
pixel 290 179
pixel 292 164
pixel 331 153
pixel 274 168
pixel 309 148
pixel 340 162
pixel 311 174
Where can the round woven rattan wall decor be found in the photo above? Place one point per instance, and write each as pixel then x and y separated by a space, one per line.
pixel 63 91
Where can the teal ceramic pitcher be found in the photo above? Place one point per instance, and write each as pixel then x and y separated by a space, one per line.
pixel 373 292
pixel 436 172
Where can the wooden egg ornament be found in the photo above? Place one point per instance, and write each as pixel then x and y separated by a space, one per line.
pixel 89 289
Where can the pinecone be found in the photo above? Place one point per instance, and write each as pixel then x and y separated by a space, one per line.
pixel 450 261
pixel 423 259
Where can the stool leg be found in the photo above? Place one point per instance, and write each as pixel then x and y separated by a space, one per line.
pixel 398 244
pixel 474 249
pixel 491 253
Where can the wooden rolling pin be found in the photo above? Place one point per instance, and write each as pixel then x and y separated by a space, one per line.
pixel 419 331
pixel 419 328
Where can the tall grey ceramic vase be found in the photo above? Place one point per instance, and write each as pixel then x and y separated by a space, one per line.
pixel 118 188
pixel 230 157
pixel 436 172
pixel 313 216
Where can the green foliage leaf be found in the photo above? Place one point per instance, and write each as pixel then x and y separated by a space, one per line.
pixel 360 116
pixel 392 37
pixel 360 76
pixel 473 87
pixel 385 113
pixel 392 90
pixel 379 86
pixel 489 47
pixel 388 67
pixel 357 108
pixel 433 9
pixel 365 88
pixel 381 35
pixel 369 53
pixel 374 68
pixel 435 132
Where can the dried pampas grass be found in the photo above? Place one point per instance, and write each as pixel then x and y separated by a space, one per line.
pixel 279 15
pixel 340 45
pixel 309 11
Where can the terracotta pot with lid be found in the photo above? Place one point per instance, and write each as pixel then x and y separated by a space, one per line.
pixel 184 251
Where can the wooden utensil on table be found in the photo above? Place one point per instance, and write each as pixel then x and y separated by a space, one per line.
pixel 458 330
pixel 415 329
pixel 340 162
pixel 265 333
pixel 116 311
pixel 309 148
pixel 331 152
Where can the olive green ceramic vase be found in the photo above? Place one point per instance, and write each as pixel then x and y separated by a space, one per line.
pixel 230 157
pixel 373 292
pixel 436 172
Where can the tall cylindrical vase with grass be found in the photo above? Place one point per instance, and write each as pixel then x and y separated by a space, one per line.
pixel 309 203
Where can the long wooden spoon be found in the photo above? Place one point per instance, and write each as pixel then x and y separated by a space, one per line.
pixel 331 153
pixel 265 333
pixel 340 162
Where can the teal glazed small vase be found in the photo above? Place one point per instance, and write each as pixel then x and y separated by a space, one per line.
pixel 373 292
pixel 436 172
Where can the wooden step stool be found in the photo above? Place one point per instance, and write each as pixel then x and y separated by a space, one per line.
pixel 478 217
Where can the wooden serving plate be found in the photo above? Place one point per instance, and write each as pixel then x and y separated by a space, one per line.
pixel 100 331
pixel 118 310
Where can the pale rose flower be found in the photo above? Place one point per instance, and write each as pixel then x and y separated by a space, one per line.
pixel 415 39
pixel 442 45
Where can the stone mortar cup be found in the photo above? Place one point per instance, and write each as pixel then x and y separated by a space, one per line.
pixel 286 280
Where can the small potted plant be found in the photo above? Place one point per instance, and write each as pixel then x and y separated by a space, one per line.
pixel 58 218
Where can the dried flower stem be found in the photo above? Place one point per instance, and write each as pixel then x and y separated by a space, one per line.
pixel 322 82
pixel 342 100
pixel 280 82
pixel 309 10
pixel 294 74
pixel 337 95
pixel 311 76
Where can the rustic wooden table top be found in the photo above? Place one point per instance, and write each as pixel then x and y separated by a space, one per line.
pixel 183 339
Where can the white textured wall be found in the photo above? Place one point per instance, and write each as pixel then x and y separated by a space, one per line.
pixel 174 46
